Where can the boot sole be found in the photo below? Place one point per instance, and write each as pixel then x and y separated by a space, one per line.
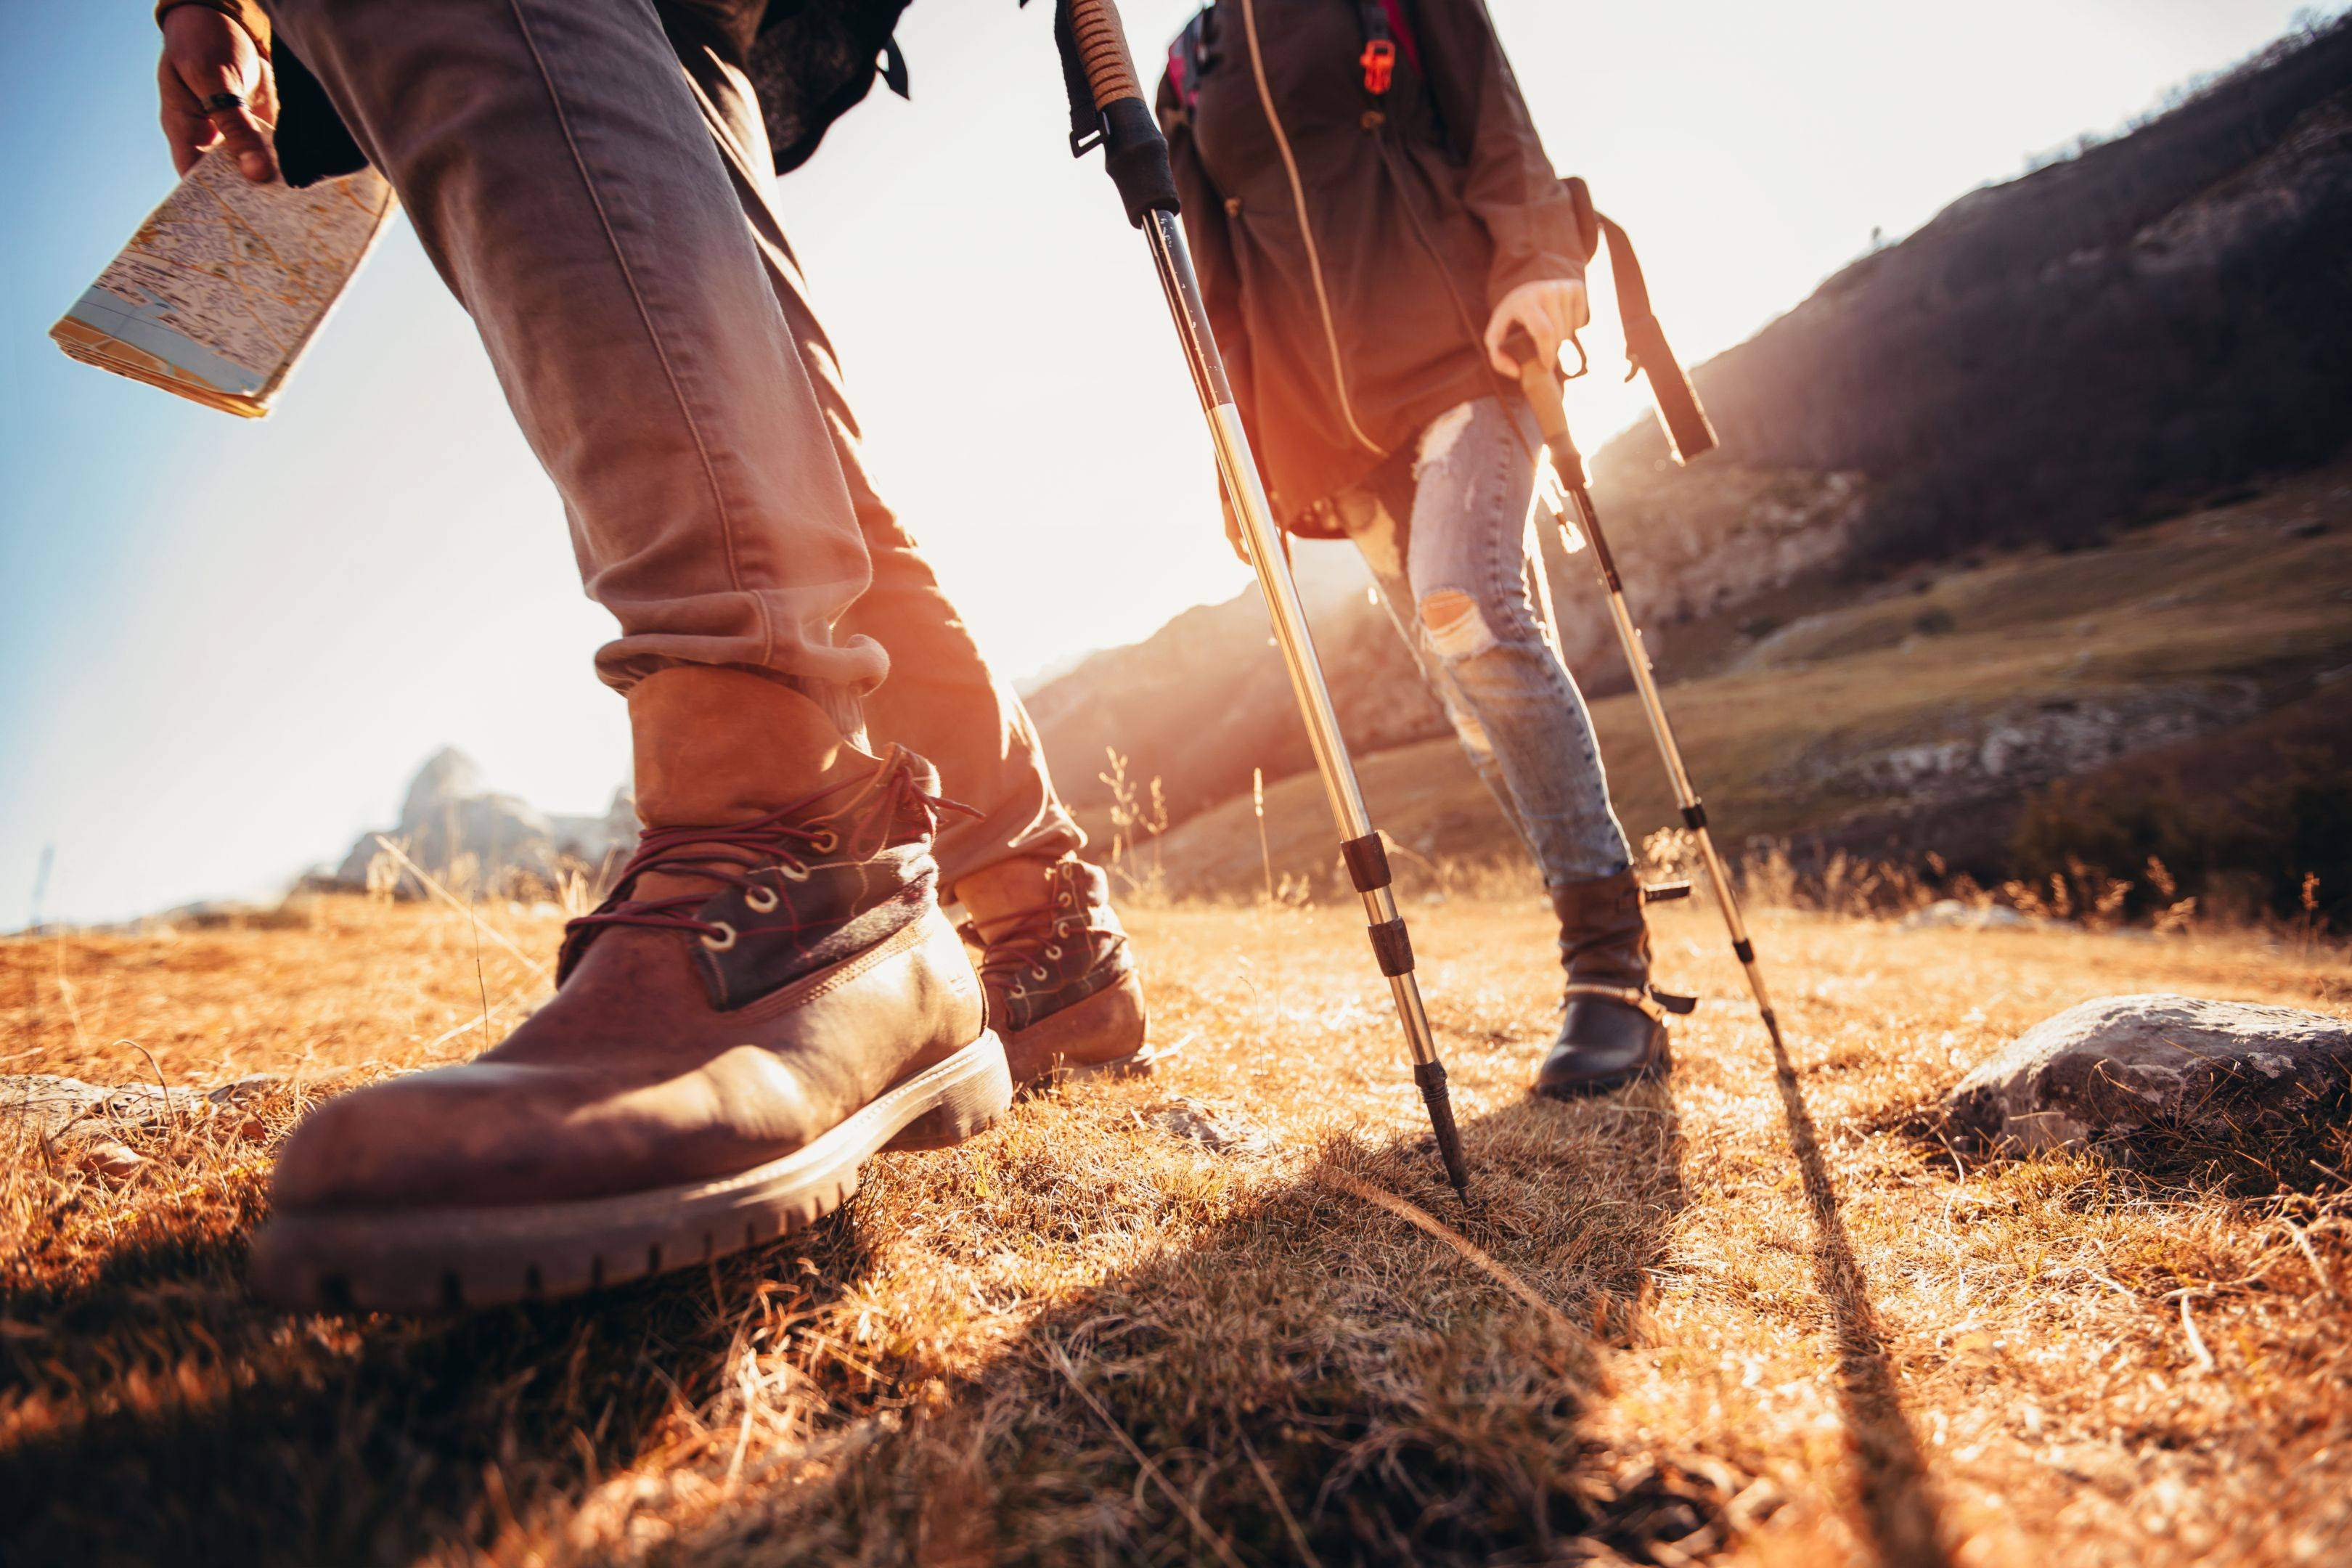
pixel 454 1259
pixel 1102 1037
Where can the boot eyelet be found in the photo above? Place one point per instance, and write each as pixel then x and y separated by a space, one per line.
pixel 720 944
pixel 793 873
pixel 1053 949
pixel 1036 971
pixel 824 841
pixel 759 900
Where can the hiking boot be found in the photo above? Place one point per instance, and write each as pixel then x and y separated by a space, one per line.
pixel 1061 984
pixel 1614 1032
pixel 770 996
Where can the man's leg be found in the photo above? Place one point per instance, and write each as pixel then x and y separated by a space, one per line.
pixel 1060 975
pixel 553 160
pixel 941 700
pixel 771 994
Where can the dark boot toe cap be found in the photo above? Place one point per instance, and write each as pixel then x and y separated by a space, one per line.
pixel 1602 1045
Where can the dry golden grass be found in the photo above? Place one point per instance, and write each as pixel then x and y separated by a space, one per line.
pixel 1757 1319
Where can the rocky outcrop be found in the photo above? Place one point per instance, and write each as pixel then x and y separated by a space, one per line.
pixel 2132 1070
pixel 2015 745
pixel 451 824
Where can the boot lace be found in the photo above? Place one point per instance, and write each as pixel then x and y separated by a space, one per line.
pixel 736 855
pixel 1030 934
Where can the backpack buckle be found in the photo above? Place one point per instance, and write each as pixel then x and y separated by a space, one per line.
pixel 1378 60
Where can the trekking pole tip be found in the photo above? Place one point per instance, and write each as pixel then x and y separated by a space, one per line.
pixel 1430 1076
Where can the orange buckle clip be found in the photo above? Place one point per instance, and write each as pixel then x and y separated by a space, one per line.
pixel 1379 65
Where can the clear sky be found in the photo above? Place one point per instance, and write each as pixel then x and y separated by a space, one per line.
pixel 231 643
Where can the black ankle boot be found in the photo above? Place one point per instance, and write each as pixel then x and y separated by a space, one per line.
pixel 1614 1033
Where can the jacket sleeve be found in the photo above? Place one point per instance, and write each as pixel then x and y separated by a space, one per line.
pixel 245 14
pixel 1211 243
pixel 1506 180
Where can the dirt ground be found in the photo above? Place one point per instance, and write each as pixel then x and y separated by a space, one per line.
pixel 1230 1314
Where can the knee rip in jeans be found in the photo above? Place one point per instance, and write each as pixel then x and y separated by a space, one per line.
pixel 1456 629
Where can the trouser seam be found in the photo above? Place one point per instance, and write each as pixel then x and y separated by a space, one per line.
pixel 653 336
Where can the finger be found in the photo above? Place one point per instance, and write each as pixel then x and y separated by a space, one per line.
pixel 1542 325
pixel 208 85
pixel 247 140
pixel 189 137
pixel 1534 320
pixel 1498 330
pixel 186 131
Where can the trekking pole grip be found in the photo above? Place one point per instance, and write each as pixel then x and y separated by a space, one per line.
pixel 1539 381
pixel 1102 51
pixel 1096 64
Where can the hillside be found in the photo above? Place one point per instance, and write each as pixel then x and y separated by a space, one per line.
pixel 1936 710
pixel 2108 340
pixel 1744 1316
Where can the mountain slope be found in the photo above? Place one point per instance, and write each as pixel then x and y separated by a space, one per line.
pixel 2190 674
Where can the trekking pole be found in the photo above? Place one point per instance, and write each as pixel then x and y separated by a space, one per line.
pixel 1106 105
pixel 1542 387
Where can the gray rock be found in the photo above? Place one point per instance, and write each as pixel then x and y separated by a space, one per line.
pixel 2126 1068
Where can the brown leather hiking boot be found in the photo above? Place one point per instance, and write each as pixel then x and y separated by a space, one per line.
pixel 1061 981
pixel 769 996
pixel 1614 1032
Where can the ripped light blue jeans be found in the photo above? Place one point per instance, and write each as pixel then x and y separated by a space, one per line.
pixel 1465 583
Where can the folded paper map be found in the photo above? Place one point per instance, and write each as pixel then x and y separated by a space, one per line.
pixel 220 290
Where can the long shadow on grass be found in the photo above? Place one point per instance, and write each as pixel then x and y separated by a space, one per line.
pixel 1314 1378
pixel 1307 1379
pixel 1898 1497
pixel 163 1415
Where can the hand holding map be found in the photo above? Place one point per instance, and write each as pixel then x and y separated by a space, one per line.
pixel 223 286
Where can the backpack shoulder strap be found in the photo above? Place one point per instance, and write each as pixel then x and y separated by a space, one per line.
pixel 1186 57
